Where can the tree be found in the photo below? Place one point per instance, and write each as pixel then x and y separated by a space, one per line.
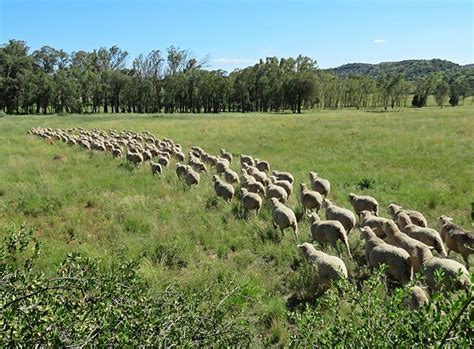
pixel 441 92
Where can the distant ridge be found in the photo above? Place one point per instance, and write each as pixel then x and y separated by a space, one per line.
pixel 413 69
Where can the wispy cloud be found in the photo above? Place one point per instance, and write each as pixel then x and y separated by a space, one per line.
pixel 379 41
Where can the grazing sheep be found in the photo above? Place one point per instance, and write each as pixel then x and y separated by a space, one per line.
pixel 258 175
pixel 416 217
pixel 363 202
pixel 275 191
pixel 197 165
pixel 284 176
pixel 428 236
pixel 319 184
pixel 226 155
pixel 282 183
pixel 341 214
pixel 147 155
pixel 155 167
pixel 191 177
pixel 251 201
pixel 231 176
pixel 397 238
pixel 262 165
pixel 222 165
pixel 181 170
pixel 283 217
pixel 378 252
pixel 310 199
pixel 246 159
pixel 430 265
pixel 329 268
pixel 368 219
pixel 456 238
pixel 328 232
pixel 223 189
pixel 418 298
pixel 255 187
pixel 179 156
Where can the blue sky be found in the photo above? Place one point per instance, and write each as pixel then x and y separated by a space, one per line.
pixel 236 33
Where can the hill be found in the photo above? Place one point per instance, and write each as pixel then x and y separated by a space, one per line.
pixel 413 69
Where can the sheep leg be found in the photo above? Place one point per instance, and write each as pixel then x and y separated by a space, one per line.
pixel 466 260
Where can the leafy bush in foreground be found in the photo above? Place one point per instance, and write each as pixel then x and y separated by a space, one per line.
pixel 85 304
pixel 372 316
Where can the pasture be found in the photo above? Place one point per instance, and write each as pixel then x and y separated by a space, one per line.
pixel 104 208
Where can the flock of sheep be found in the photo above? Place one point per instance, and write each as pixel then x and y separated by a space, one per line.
pixel 404 243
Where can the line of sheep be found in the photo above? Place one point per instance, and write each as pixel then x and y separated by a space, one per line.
pixel 404 243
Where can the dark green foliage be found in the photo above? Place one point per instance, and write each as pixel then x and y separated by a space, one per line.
pixel 371 315
pixel 366 183
pixel 85 303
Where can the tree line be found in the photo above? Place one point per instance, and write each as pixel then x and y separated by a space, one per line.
pixel 50 80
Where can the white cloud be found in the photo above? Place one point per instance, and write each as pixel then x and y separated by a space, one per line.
pixel 379 41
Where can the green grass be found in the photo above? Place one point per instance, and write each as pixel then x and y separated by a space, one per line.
pixel 96 205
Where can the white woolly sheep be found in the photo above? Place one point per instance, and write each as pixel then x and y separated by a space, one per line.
pixel 223 189
pixel 163 161
pixel 329 268
pixel 222 165
pixel 328 232
pixel 415 217
pixel 430 265
pixel 397 238
pixel 378 252
pixel 181 170
pixel 288 186
pixel 341 214
pixel 310 199
pixel 368 219
pixel 246 159
pixel 155 167
pixel 251 201
pixel 231 176
pixel 135 158
pixel 283 217
pixel 363 202
pixel 226 155
pixel 275 191
pixel 284 176
pixel 262 165
pixel 319 184
pixel 417 299
pixel 428 236
pixel 456 238
pixel 117 153
pixel 191 177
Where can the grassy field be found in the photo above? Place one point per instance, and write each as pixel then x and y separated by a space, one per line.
pixel 98 206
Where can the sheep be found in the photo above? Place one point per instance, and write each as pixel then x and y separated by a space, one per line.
pixel 288 186
pixel 397 238
pixel 155 167
pixel 378 252
pixel 223 189
pixel 416 217
pixel 328 232
pixel 135 158
pixel 274 191
pixel 363 202
pixel 246 159
pixel 163 161
pixel 231 176
pixel 179 156
pixel 319 184
pixel 191 177
pixel 258 175
pixel 147 155
pixel 430 265
pixel 283 217
pixel 428 236
pixel 117 153
pixel 255 187
pixel 222 165
pixel 368 219
pixel 329 268
pixel 181 170
pixel 197 165
pixel 284 176
pixel 341 214
pixel 456 238
pixel 251 201
pixel 417 298
pixel 262 165
pixel 310 199
pixel 226 155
